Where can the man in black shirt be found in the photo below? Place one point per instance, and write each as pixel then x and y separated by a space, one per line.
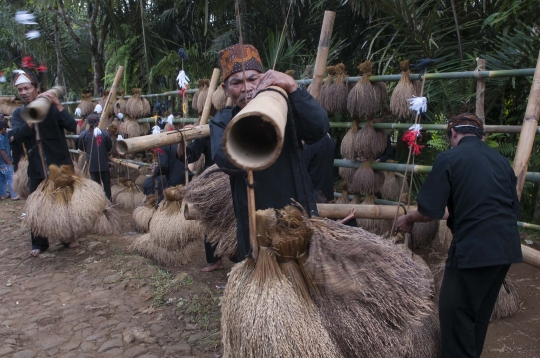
pixel 319 161
pixel 478 186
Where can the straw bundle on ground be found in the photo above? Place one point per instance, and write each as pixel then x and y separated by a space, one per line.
pixel 370 225
pixel 201 99
pixel 134 105
pixel 366 181
pixel 210 193
pixel 324 99
pixel 140 180
pixel 391 188
pixel 424 337
pixel 108 223
pixel 75 202
pixel 404 89
pixel 143 213
pixel 364 100
pixel 507 302
pixel 120 105
pixel 444 235
pixel 119 186
pixel 86 105
pixel 172 238
pixel 423 234
pixel 129 197
pixel 81 171
pixel 348 142
pixel 219 99
pixel 339 90
pixel 20 179
pixel 369 143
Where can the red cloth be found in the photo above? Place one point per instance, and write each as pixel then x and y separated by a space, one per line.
pixel 411 137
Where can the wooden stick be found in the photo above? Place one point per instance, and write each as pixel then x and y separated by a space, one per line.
pixel 208 102
pixel 528 131
pixel 322 53
pixel 124 163
pixel 252 216
pixel 530 256
pixel 112 96
pixel 480 89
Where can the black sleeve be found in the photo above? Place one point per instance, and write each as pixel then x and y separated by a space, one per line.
pixel 194 151
pixel 311 119
pixel 308 155
pixel 20 129
pixel 66 121
pixel 217 127
pixel 435 192
pixel 388 152
pixel 108 142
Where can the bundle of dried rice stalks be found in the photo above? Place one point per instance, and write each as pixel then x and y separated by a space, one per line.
pixel 343 198
pixel 75 202
pixel 140 180
pixel 391 188
pixel 444 235
pixel 119 186
pixel 81 171
pixel 324 99
pixel 108 223
pixel 20 179
pixel 367 289
pixel 366 181
pixel 134 105
pixel 130 128
pixel 143 213
pixel 370 225
pixel 147 108
pixel 347 173
pixel 172 238
pixel 338 91
pixel 348 142
pixel 404 89
pixel 219 99
pixel 507 302
pixel 201 100
pixel 364 100
pixel 369 143
pixel 129 197
pixel 104 99
pixel 144 128
pixel 424 337
pixel 423 234
pixel 86 105
pixel 195 99
pixel 210 193
pixel 120 105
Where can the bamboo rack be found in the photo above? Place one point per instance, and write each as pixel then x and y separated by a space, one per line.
pixel 430 127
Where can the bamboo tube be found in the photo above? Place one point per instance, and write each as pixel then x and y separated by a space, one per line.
pixel 528 226
pixel 137 144
pixel 208 102
pixel 252 216
pixel 429 127
pixel 528 131
pixel 480 88
pixel 110 98
pixel 175 120
pixel 124 163
pixel 322 53
pixel 530 256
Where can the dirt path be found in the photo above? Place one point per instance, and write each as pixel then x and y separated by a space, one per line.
pixel 98 300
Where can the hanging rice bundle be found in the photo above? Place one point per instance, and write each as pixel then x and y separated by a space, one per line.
pixel 507 302
pixel 147 108
pixel 75 202
pixel 382 92
pixel 195 99
pixel 172 238
pixel 201 100
pixel 370 225
pixel 210 193
pixel 366 288
pixel 391 188
pixel 219 99
pixel 338 91
pixel 399 106
pixel 144 128
pixel 423 234
pixel 134 106
pixel 103 99
pixel 130 128
pixel 369 144
pixel 129 197
pixel 444 235
pixel 20 179
pixel 343 198
pixel 348 142
pixel 324 98
pixel 347 173
pixel 108 223
pixel 366 181
pixel 143 213
pixel 86 105
pixel 364 100
pixel 424 337
pixel 120 105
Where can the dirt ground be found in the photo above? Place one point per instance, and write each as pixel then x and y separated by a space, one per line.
pixel 99 300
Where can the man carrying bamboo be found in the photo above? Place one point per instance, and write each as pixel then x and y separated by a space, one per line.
pixel 53 139
pixel 478 186
pixel 287 179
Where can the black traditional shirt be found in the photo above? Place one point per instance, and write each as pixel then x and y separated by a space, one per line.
pixel 96 148
pixel 478 186
pixel 319 161
pixel 197 148
pixel 285 180
pixel 169 166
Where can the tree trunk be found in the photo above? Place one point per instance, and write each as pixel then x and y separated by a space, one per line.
pixel 57 47
pixel 99 72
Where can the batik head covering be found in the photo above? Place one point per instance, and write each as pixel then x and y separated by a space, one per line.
pixel 230 60
pixel 465 120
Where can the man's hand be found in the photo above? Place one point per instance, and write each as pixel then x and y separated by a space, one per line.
pixel 54 100
pixel 404 223
pixel 275 78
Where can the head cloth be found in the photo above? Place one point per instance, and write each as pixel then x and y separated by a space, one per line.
pixel 465 120
pixel 230 60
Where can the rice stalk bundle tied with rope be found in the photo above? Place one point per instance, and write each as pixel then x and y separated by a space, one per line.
pixel 119 186
pixel 346 173
pixel 371 225
pixel 108 223
pixel 324 99
pixel 144 128
pixel 391 188
pixel 20 179
pixel 369 143
pixel 405 88
pixel 424 337
pixel 210 194
pixel 130 128
pixel 75 202
pixel 201 100
pixel 81 171
pixel 120 104
pixel 444 235
pixel 343 198
pixel 365 99
pixel 338 91
pixel 348 142
pixel 172 238
pixel 195 99
pixel 103 99
pixel 147 109
pixel 366 181
pixel 134 105
pixel 143 213
pixel 219 99
pixel 86 105
pixel 129 197
pixel 424 234
pixel 507 302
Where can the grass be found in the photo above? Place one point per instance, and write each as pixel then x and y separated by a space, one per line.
pixel 162 284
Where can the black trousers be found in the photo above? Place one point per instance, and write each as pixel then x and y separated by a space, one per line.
pixel 38 242
pixel 210 250
pixel 466 302
pixel 103 178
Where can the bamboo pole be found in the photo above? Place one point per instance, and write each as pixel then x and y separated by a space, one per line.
pixel 175 120
pixel 528 226
pixel 430 127
pixel 530 256
pixel 528 131
pixel 252 215
pixel 112 96
pixel 208 102
pixel 480 89
pixel 124 163
pixel 322 53
pixel 137 144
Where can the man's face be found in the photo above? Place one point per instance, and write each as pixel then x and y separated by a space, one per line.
pixel 234 87
pixel 3 131
pixel 28 92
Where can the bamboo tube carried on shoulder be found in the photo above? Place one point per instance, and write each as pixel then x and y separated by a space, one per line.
pixel 138 144
pixel 254 137
pixel 36 111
